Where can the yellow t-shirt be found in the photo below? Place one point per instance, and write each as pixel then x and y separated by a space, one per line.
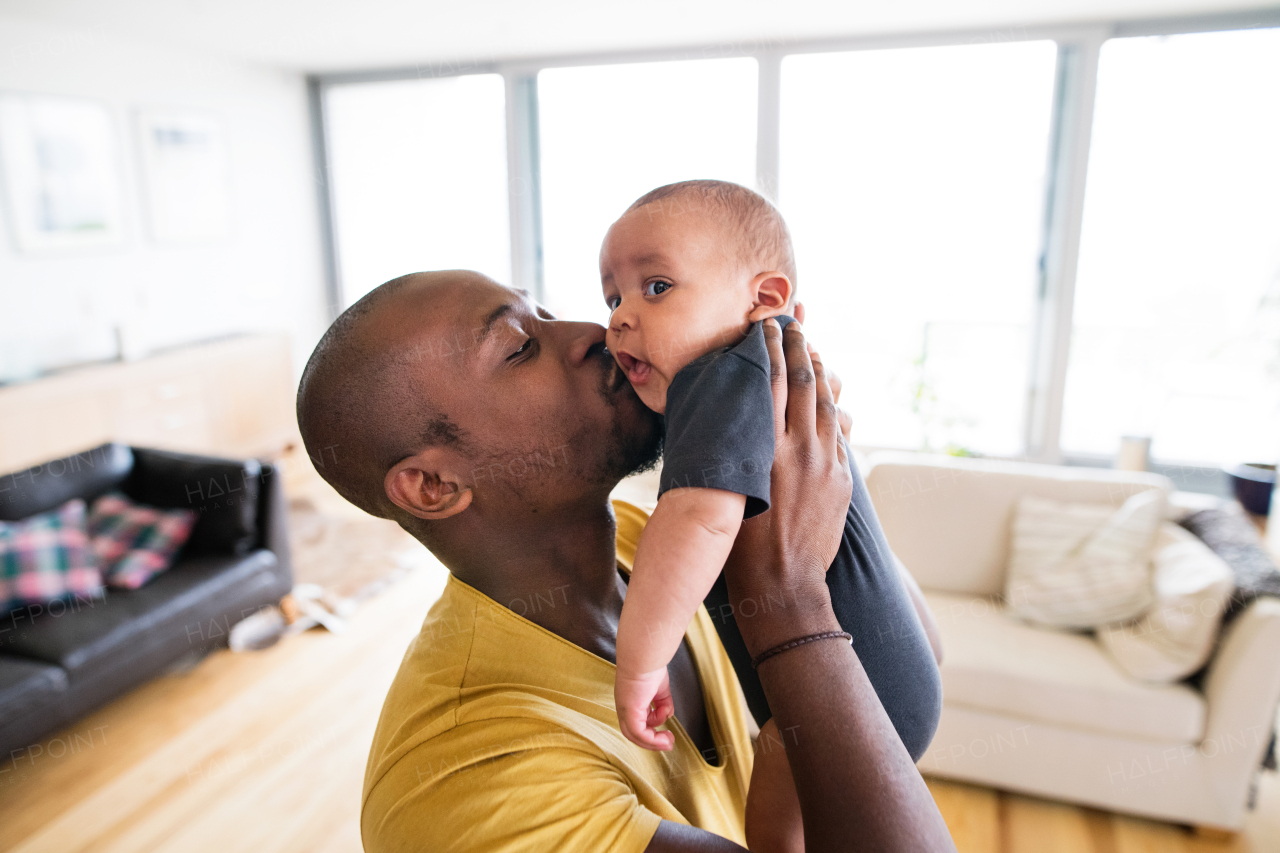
pixel 498 735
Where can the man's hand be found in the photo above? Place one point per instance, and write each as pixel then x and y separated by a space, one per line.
pixel 856 785
pixel 785 552
pixel 846 422
pixel 843 417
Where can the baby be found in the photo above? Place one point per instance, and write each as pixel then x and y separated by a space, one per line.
pixel 690 272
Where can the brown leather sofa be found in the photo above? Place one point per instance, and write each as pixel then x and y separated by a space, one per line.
pixel 61 660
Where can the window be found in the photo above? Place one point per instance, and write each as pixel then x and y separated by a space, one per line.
pixel 1177 308
pixel 419 177
pixel 611 133
pixel 913 183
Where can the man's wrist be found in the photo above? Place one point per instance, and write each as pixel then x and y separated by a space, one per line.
pixel 768 618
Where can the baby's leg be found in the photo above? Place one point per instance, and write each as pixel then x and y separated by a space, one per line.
pixel 873 605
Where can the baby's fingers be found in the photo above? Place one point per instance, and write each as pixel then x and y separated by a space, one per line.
pixel 636 728
pixel 644 702
pixel 663 709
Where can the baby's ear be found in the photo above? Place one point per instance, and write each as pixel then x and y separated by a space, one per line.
pixel 770 293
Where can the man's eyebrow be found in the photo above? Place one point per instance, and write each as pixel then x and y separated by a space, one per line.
pixel 493 317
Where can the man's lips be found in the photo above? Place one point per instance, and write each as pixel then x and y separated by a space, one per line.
pixel 637 371
pixel 614 378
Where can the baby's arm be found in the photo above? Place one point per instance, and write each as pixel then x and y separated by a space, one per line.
pixel 681 552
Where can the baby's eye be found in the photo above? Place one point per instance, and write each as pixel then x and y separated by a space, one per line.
pixel 613 302
pixel 657 288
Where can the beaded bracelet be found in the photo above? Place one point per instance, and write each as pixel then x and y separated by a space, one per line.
pixel 799 641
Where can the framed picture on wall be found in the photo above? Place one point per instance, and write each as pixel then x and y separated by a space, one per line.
pixel 59 166
pixel 186 178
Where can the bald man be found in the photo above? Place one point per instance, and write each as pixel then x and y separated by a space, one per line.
pixel 494 434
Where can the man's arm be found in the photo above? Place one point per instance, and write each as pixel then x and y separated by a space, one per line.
pixel 857 787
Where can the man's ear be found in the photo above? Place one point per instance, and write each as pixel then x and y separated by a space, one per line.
pixel 426 485
pixel 770 293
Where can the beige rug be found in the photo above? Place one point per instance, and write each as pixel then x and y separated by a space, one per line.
pixel 342 548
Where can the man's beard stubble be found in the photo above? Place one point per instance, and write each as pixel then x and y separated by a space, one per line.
pixel 598 455
pixel 628 450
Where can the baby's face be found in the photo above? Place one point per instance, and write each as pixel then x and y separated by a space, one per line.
pixel 675 290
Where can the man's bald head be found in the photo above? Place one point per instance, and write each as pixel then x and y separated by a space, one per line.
pixel 456 406
pixel 357 409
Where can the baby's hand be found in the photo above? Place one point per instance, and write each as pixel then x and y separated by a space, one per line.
pixel 644 703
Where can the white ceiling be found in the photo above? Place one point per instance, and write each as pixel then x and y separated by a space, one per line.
pixel 328 35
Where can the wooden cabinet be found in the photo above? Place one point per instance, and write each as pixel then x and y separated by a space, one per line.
pixel 232 397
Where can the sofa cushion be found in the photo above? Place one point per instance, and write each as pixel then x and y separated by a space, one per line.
pixel 28 686
pixel 47 557
pixel 134 543
pixel 1075 565
pixel 994 662
pixel 1176 636
pixel 173 611
pixel 948 518
pixel 223 492
pixel 82 475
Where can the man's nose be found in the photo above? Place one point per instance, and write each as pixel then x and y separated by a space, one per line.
pixel 583 339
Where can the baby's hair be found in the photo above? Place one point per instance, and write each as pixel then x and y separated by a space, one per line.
pixel 765 238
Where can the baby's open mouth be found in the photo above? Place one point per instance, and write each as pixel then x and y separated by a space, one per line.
pixel 637 371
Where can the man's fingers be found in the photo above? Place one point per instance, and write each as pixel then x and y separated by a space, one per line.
pixel 777 374
pixel 801 387
pixel 833 379
pixel 826 412
pixel 846 423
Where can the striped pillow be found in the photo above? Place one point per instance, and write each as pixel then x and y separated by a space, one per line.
pixel 134 543
pixel 47 557
pixel 1082 565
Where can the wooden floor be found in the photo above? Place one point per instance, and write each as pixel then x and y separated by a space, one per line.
pixel 265 753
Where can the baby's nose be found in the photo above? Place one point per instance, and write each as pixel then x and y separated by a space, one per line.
pixel 621 318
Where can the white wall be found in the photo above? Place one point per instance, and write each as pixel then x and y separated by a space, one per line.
pixel 63 309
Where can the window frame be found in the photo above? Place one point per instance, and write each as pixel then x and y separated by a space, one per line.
pixel 1071 123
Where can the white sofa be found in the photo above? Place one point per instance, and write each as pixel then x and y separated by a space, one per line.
pixel 1048 712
